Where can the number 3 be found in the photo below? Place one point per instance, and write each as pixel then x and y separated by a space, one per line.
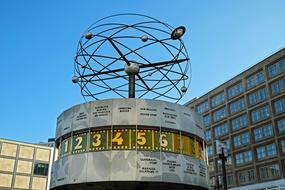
pixel 97 140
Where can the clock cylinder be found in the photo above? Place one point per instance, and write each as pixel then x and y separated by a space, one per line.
pixel 129 144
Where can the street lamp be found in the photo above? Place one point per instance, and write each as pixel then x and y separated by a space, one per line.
pixel 221 148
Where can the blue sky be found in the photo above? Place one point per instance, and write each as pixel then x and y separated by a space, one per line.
pixel 38 41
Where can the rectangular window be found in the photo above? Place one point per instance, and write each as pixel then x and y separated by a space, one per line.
pixel 241 139
pixel 257 96
pixel 246 177
pixel 260 114
pixel 269 172
pixel 221 130
pixel 41 169
pixel 261 152
pixel 266 151
pixel 230 180
pixel 203 107
pixel 282 143
pixel 207 120
pixel 237 106
pixel 247 156
pixel 276 68
pixel 210 151
pixel 219 114
pixel 263 132
pixel 278 86
pixel 271 150
pixel 281 125
pixel 255 79
pixel 235 90
pixel 279 106
pixel 228 144
pixel 208 135
pixel 217 100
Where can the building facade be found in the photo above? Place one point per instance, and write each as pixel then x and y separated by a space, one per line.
pixel 24 165
pixel 247 113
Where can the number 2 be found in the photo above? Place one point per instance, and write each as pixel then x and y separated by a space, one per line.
pixel 79 143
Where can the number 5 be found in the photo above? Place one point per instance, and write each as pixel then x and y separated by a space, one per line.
pixel 141 138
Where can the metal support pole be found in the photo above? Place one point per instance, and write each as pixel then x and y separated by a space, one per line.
pixel 224 159
pixel 132 90
pixel 217 183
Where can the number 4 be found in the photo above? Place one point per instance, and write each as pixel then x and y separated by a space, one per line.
pixel 118 139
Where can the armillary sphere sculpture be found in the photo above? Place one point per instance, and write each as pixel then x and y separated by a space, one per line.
pixel 132 55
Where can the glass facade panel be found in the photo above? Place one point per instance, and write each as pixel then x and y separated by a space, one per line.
pixel 207 120
pixel 269 172
pixel 203 107
pixel 237 106
pixel 208 135
pixel 217 100
pixel 279 106
pixel 271 150
pixel 41 169
pixel 281 125
pixel 241 139
pixel 282 143
pixel 210 151
pixel 266 151
pixel 278 86
pixel 221 130
pixel 261 152
pixel 257 96
pixel 276 68
pixel 260 114
pixel 219 114
pixel 263 132
pixel 255 79
pixel 235 90
pixel 246 177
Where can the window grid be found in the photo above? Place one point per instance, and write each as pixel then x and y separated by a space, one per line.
pixel 221 130
pixel 281 125
pixel 219 114
pixel 266 151
pixel 203 107
pixel 235 90
pixel 217 99
pixel 257 96
pixel 269 172
pixel 276 68
pixel 263 132
pixel 260 114
pixel 278 87
pixel 279 106
pixel 255 79
pixel 237 106
pixel 241 139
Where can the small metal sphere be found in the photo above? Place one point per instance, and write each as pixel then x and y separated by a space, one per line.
pixel 183 89
pixel 75 79
pixel 144 38
pixel 132 69
pixel 88 35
